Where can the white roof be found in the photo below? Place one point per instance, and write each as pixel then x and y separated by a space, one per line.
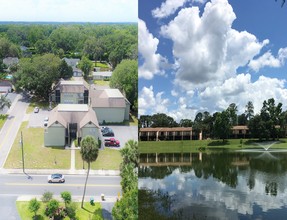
pixel 73 108
pixel 72 82
pixel 113 93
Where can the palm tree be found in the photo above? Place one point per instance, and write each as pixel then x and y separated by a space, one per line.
pixel 89 152
pixel 4 102
pixel 130 153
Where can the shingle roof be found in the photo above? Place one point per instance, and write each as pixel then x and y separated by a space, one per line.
pixel 70 86
pixel 73 113
pixel 72 62
pixel 5 83
pixel 107 98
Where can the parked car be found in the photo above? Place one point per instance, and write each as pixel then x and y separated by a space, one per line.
pixel 104 129
pixel 46 121
pixel 112 142
pixel 36 109
pixel 56 178
pixel 108 133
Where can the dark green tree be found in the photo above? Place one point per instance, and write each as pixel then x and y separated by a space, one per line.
pixel 86 66
pixel 222 125
pixel 65 71
pixel 89 152
pixel 185 123
pixel 232 111
pixel 4 102
pixel 162 120
pixel 249 110
pixel 125 78
pixel 34 206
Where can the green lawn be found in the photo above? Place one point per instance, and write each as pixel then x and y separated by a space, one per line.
pixel 36 155
pixel 102 82
pixel 2 120
pixel 196 145
pixel 108 159
pixel 89 211
pixel 101 64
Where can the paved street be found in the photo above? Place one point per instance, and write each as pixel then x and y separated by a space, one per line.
pixel 12 185
pixel 11 127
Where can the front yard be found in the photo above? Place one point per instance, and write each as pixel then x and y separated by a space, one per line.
pixel 89 211
pixel 108 159
pixel 36 155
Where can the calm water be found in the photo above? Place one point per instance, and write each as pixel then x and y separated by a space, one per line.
pixel 227 185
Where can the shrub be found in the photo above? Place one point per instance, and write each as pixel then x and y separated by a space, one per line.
pixel 66 196
pixel 47 196
pixel 52 207
pixel 34 206
pixel 71 210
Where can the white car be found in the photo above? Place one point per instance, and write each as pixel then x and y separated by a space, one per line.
pixel 56 178
pixel 36 109
pixel 46 121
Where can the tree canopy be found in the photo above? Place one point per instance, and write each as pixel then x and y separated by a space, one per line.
pixel 125 78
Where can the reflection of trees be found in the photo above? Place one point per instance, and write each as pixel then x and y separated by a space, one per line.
pixel 271 188
pixel 155 205
pixel 156 172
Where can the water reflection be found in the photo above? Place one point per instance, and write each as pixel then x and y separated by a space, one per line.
pixel 238 185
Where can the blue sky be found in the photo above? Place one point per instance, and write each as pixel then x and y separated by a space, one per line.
pixel 199 55
pixel 69 10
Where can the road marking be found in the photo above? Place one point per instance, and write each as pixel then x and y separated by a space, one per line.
pixel 65 184
pixel 9 129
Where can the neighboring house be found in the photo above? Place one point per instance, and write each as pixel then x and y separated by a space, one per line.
pixel 5 86
pixel 70 121
pixel 10 61
pixel 110 105
pixel 240 131
pixel 71 92
pixel 102 75
pixel 73 63
pixel 167 134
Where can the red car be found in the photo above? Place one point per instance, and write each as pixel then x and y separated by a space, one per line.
pixel 112 142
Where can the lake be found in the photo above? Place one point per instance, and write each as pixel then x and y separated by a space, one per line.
pixel 215 185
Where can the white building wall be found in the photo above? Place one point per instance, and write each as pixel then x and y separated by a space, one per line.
pixel 110 114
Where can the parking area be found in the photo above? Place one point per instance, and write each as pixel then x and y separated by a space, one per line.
pixel 37 119
pixel 123 134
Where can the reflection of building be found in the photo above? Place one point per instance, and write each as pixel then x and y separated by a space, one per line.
pixel 70 121
pixel 169 159
pixel 171 134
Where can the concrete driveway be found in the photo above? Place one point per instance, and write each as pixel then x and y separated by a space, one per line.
pixel 37 119
pixel 123 134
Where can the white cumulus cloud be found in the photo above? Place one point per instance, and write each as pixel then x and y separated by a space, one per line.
pixel 267 59
pixel 167 8
pixel 147 45
pixel 206 49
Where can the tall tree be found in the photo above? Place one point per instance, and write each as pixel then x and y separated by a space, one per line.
pixel 86 66
pixel 65 71
pixel 89 152
pixel 232 111
pixel 4 102
pixel 125 78
pixel 162 120
pixel 222 125
pixel 249 111
pixel 38 74
pixel 185 123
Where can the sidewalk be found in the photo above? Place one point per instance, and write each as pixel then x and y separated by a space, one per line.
pixel 66 172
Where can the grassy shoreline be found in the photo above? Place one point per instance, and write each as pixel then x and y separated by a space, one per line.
pixel 199 145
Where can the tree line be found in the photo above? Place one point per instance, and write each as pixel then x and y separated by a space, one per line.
pixel 269 123
pixel 110 43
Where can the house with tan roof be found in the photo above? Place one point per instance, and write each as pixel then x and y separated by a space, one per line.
pixel 70 121
pixel 110 105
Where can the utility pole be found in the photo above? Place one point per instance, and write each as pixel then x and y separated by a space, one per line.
pixel 22 148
